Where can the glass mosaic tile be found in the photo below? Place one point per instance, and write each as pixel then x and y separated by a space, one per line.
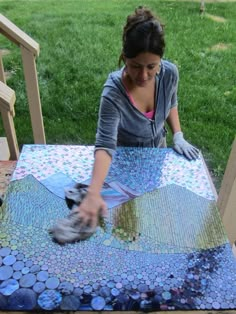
pixel 130 165
pixel 164 249
pixel 42 161
pixel 145 169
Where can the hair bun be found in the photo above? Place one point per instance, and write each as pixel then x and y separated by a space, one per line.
pixel 145 13
pixel 143 32
pixel 141 15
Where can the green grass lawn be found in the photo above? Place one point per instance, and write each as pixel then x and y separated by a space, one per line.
pixel 80 43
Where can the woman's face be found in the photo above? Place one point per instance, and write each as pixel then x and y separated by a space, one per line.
pixel 142 69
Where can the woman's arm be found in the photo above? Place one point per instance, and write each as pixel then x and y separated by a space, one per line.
pixel 100 169
pixel 173 120
pixel 106 139
pixel 181 146
pixel 93 205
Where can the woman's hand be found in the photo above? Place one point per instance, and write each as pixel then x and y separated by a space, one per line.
pixel 182 147
pixel 91 208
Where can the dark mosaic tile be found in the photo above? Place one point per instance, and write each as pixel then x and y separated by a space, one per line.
pixel 70 302
pixel 22 300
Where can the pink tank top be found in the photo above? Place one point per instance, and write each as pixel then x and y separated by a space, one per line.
pixel 149 114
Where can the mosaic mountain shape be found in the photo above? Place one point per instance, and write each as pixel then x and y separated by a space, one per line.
pixel 121 267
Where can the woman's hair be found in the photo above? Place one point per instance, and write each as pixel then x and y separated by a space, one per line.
pixel 143 32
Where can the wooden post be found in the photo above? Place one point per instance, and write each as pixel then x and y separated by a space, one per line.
pixel 10 134
pixel 31 80
pixel 227 196
pixel 2 74
pixel 7 101
pixel 4 150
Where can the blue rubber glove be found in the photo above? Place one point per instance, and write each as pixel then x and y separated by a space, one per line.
pixel 182 147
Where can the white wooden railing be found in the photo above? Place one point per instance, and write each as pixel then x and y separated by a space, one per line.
pixel 29 51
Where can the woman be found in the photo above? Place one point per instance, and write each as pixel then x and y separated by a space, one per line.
pixel 135 103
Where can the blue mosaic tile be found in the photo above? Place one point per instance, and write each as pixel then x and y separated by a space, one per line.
pixel 185 264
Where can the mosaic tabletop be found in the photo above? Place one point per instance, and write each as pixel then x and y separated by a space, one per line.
pixel 162 245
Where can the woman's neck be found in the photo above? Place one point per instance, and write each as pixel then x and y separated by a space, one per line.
pixel 130 86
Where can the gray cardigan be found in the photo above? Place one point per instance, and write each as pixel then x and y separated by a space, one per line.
pixel 120 123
